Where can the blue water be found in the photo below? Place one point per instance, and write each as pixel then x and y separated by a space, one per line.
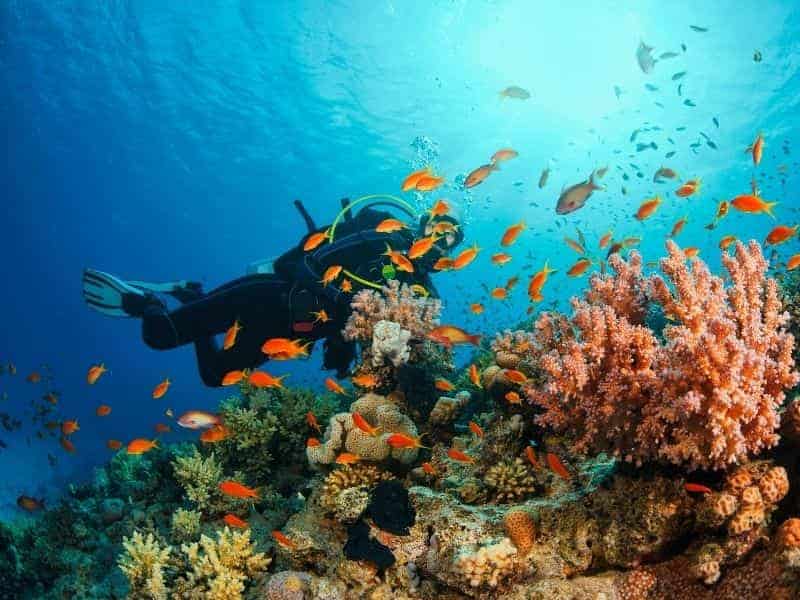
pixel 162 142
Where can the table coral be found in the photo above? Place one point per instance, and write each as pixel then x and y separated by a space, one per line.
pixel 705 397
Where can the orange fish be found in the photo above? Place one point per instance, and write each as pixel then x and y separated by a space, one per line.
pixel 215 434
pixel 691 251
pixel 428 183
pixel 410 182
pixel 360 422
pixel 235 489
pixel 33 378
pixel 688 189
pixel 235 521
pixel 499 293
pixel 403 440
pixel 726 241
pixel 113 445
pixel 429 469
pixel 421 247
pixel 474 376
pixel 678 227
pixel 512 233
pixel 69 427
pixel 311 421
pixel 576 246
pixel 793 262
pixel 399 260
pixel 557 466
pixel 315 240
pixel 722 209
pixel 283 540
pixel 162 428
pixel 501 258
pixel 95 371
pixel 141 445
pixel 284 349
pixel 231 335
pixel 459 456
pixel 346 286
pixel 697 488
pixel 29 503
pixel 756 149
pixel 449 335
pixel 476 429
pixel 579 268
pixel 605 239
pixel 321 316
pixel 512 282
pixel 103 410
pixel 443 264
pixel 347 458
pixel 390 226
pixel 233 377
pixel 261 379
pixel 331 273
pixel 750 203
pixel 443 227
pixel 479 175
pixel 51 397
pixel 537 283
pixel 630 242
pixel 530 454
pixel 647 208
pixel 365 380
pixel 443 385
pixel 504 154
pixel 313 442
pixel 334 387
pixel 465 257
pixel 476 308
pixel 67 445
pixel 780 234
pixel 161 389
pixel 513 398
pixel 515 376
pixel 440 208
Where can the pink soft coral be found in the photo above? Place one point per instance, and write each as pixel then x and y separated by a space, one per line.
pixel 706 396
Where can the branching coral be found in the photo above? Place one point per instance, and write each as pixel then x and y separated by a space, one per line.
pixel 344 478
pixel 143 563
pixel 200 477
pixel 185 525
pixel 510 481
pixel 706 397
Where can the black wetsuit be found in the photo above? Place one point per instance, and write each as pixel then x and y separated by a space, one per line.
pixel 280 304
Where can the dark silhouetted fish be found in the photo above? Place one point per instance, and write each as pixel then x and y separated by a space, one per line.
pixel 640 147
pixel 680 89
pixel 651 87
pixel 645 58
pixel 617 91
pixel 666 55
pixel 543 177
pixel 711 144
pixel 575 196
pixel 633 135
pixel 716 122
pixel 683 47
pixel 679 75
pixel 698 29
pixel 688 102
pixel 681 128
pixel 670 154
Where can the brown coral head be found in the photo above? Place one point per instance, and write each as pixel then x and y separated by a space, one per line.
pixel 521 528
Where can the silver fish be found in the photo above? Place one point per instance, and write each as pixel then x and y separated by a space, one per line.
pixel 645 58
pixel 575 196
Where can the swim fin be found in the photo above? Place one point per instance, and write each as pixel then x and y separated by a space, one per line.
pixel 115 297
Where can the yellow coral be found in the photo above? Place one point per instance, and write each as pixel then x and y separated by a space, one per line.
pixel 489 565
pixel 510 480
pixel 349 477
pixel 185 525
pixel 143 564
pixel 198 476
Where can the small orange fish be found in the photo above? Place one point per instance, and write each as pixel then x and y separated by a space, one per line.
pixel 780 234
pixel 576 246
pixel 444 227
pixel 697 488
pixel 726 241
pixel 443 264
pixel 691 251
pixel 688 189
pixel 95 371
pixel 399 260
pixel 330 274
pixel 501 258
pixel 630 242
pixel 51 397
pixel 756 149
pixel 410 182
pixel 33 378
pixel 113 445
pixel 234 521
pixel 465 257
pixel 512 233
pixel 678 226
pixel 262 379
pixel 334 387
pixel 29 503
pixel 390 226
pixel 557 466
pixel 69 427
pixel 421 247
pixel 231 335
pixel 530 454
pixel 443 385
pixel 215 434
pixel 429 469
pixel 537 283
pixel 365 380
pixel 515 376
pixel 284 348
pixel 504 154
pixel 235 489
pixel 141 445
pixel 647 208
pixel 499 293
pixel 474 376
pixel 313 442
pixel 346 286
pixel 283 540
pixel 579 268
pixel 311 421
pixel 315 240
pixel 793 262
pixel 233 377
pixel 751 203
pixel 103 410
pixel 440 208
pixel 476 429
pixel 360 422
pixel 722 209
pixel 347 458
pixel 605 239
pixel 513 398
pixel 67 445
pixel 162 428
pixel 459 456
pixel 449 335
pixel 161 389
pixel 405 441
pixel 476 308
pixel 428 183
pixel 512 282
pixel 478 175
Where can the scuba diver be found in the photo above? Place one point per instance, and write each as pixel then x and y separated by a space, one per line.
pixel 280 298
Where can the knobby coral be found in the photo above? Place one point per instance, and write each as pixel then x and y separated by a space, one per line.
pixel 706 396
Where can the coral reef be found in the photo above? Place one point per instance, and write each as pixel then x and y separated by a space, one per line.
pixel 390 344
pixel 510 481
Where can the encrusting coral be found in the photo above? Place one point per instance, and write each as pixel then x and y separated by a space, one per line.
pixel 706 397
